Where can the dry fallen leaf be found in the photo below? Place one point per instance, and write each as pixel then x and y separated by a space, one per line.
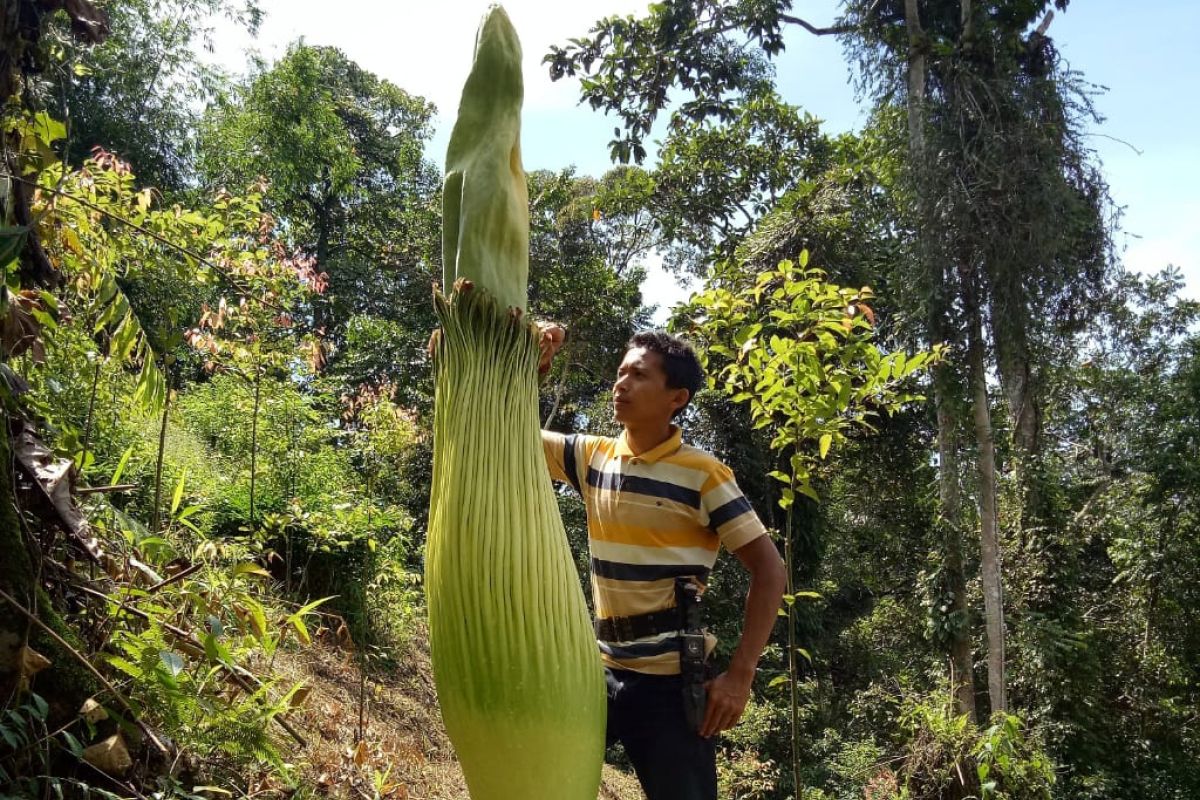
pixel 92 711
pixel 299 696
pixel 109 756
pixel 31 663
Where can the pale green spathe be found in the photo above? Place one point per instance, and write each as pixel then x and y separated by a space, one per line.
pixel 485 202
pixel 515 662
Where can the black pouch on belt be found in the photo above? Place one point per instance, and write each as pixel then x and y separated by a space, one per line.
pixel 691 651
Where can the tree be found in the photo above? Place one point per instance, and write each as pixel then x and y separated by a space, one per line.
pixel 24 145
pixel 573 282
pixel 139 94
pixel 1012 227
pixel 718 55
pixel 798 351
pixel 985 95
pixel 342 152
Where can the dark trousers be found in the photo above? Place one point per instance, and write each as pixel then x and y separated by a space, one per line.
pixel 645 714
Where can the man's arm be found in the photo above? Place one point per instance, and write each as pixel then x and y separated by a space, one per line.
pixel 729 692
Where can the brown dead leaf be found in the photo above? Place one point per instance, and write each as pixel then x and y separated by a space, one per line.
pixel 110 756
pixel 299 696
pixel 92 711
pixel 31 663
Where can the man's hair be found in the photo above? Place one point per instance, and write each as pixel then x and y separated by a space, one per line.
pixel 679 361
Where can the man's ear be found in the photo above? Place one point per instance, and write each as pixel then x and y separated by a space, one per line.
pixel 681 398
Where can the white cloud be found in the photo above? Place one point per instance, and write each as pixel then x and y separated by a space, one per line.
pixel 664 290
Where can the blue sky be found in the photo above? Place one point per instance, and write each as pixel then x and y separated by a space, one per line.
pixel 1144 54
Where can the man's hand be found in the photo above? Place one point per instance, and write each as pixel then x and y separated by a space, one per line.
pixel 550 342
pixel 728 694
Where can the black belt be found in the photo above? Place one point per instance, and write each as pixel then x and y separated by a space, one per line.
pixel 639 626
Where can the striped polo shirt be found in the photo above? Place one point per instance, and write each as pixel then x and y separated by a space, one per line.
pixel 651 517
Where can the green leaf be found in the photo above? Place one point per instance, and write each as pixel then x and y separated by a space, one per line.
pixel 826 441
pixel 178 496
pixel 187 512
pixel 301 629
pixel 786 498
pixel 12 239
pixel 172 661
pixel 73 744
pixel 216 651
pixel 296 620
pixel 151 388
pixel 47 128
pixel 250 568
pixel 125 665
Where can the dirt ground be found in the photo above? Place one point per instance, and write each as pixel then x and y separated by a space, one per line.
pixel 404 753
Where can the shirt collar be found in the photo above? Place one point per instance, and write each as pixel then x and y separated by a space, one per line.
pixel 673 443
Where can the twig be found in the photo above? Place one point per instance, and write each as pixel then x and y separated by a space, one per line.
pixel 178 576
pixel 116 487
pixel 1118 141
pixel 832 29
pixel 1041 29
pixel 83 660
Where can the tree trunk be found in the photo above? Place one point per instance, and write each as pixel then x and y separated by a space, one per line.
pixel 1020 384
pixel 793 672
pixel 916 82
pixel 65 684
pixel 990 566
pixel 966 19
pixel 87 427
pixel 961 659
pixel 254 439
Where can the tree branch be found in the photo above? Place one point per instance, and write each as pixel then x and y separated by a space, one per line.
pixel 40 271
pixel 832 29
pixel 814 30
pixel 156 236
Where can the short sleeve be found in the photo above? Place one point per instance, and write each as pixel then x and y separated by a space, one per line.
pixel 729 514
pixel 566 453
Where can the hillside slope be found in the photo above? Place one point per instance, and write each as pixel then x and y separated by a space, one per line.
pixel 406 753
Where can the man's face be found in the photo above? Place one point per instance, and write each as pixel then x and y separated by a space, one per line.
pixel 641 395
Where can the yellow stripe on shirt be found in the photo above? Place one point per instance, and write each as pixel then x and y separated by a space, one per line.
pixel 652 517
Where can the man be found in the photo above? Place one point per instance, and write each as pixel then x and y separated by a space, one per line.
pixel 658 511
